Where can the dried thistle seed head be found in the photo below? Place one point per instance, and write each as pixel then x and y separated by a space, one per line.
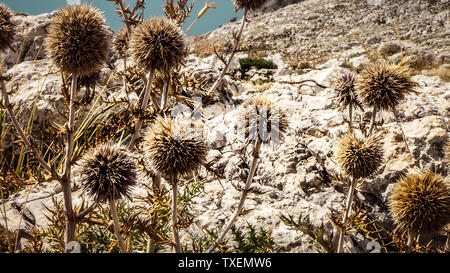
pixel 158 44
pixel 77 41
pixel 420 202
pixel 120 42
pixel 107 172
pixel 252 5
pixel 345 92
pixel 174 147
pixel 385 86
pixel 359 157
pixel 7 27
pixel 264 119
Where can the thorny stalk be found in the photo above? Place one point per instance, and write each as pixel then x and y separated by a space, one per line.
pixel 236 47
pixel 67 187
pixel 112 206
pixel 146 98
pixel 256 151
pixel 176 235
pixel 348 208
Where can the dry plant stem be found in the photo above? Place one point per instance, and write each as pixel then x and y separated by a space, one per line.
pixel 410 242
pixel 147 92
pixel 224 71
pixel 125 76
pixel 151 244
pixel 176 236
pixel 66 184
pixel 165 94
pixel 348 208
pixel 372 121
pixel 190 27
pixel 112 206
pixel 244 195
pixel 22 135
pixel 416 162
pixel 350 117
pixel 125 17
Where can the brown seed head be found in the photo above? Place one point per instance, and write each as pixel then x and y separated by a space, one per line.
pixel 252 5
pixel 385 86
pixel 120 42
pixel 264 119
pixel 345 92
pixel 359 157
pixel 174 148
pixel 7 27
pixel 107 172
pixel 420 202
pixel 77 40
pixel 158 44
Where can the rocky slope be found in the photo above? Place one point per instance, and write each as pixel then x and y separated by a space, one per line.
pixel 316 30
pixel 295 175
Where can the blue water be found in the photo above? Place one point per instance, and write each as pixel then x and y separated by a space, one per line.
pixel 213 19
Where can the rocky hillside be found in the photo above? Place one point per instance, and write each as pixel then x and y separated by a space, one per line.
pixel 296 176
pixel 312 32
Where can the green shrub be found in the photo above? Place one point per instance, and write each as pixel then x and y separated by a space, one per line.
pixel 247 63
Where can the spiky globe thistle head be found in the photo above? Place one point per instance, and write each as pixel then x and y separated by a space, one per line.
pixel 107 172
pixel 385 85
pixel 158 44
pixel 359 157
pixel 120 42
pixel 264 120
pixel 420 202
pixel 77 41
pixel 7 27
pixel 174 147
pixel 252 5
pixel 345 93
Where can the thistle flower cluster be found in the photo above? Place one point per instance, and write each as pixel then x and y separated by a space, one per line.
pixel 264 120
pixel 77 40
pixel 107 172
pixel 7 28
pixel 158 44
pixel 420 202
pixel 385 86
pixel 251 5
pixel 345 92
pixel 120 42
pixel 174 147
pixel 359 157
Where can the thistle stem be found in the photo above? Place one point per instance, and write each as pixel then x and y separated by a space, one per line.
pixel 191 25
pixel 165 93
pixel 372 121
pixel 236 47
pixel 256 151
pixel 66 185
pixel 125 17
pixel 410 242
pixel 137 128
pixel 348 208
pixel 176 236
pixel 350 117
pixel 22 135
pixel 112 206
pixel 151 244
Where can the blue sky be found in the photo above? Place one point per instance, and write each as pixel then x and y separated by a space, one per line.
pixel 213 19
